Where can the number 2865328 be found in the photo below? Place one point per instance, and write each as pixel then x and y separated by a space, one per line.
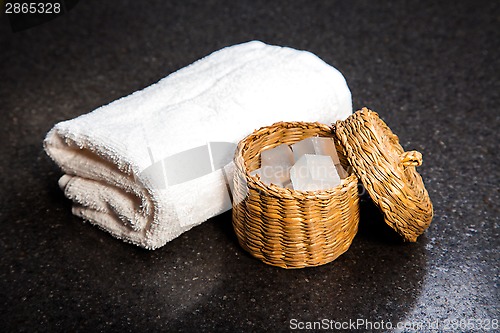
pixel 33 8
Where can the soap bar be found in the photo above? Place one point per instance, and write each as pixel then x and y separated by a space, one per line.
pixel 276 164
pixel 325 146
pixel 314 173
pixel 319 146
pixel 316 146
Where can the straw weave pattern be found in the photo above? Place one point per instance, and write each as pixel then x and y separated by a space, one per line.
pixel 387 172
pixel 288 228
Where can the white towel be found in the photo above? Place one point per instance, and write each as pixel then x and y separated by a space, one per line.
pixel 149 166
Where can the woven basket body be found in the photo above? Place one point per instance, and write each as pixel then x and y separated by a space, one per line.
pixel 287 228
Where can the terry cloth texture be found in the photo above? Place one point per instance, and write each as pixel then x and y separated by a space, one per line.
pixel 150 166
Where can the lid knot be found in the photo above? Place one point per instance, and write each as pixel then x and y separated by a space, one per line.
pixel 411 158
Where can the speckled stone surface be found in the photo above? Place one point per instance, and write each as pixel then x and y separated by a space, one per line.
pixel 431 70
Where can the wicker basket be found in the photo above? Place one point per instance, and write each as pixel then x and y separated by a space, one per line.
pixel 287 228
pixel 294 229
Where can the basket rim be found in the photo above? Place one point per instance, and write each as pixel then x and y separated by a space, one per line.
pixel 278 191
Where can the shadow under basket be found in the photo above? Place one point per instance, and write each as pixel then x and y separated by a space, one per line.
pixel 285 227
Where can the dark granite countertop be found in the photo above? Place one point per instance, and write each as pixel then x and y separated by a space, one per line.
pixel 431 70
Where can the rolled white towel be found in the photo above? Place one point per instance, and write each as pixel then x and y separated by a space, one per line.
pixel 149 166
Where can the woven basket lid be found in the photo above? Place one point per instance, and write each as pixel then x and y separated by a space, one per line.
pixel 387 172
